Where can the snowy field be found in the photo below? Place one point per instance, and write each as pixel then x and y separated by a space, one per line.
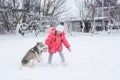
pixel 92 58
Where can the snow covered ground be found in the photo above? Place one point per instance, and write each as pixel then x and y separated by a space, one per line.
pixel 92 58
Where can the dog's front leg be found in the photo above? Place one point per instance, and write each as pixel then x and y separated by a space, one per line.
pixel 31 63
pixel 38 59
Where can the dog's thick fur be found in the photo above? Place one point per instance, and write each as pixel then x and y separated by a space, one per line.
pixel 34 54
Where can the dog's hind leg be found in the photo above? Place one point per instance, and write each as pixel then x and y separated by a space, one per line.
pixel 31 63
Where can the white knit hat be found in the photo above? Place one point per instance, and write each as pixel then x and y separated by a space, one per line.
pixel 60 28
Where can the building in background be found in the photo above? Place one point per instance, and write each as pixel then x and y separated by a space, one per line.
pixel 97 15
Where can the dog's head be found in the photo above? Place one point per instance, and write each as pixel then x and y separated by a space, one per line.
pixel 41 46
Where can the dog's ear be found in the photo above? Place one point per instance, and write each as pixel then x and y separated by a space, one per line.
pixel 38 42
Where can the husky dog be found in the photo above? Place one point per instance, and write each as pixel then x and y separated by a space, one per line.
pixel 34 54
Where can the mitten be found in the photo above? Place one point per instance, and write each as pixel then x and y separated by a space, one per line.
pixel 69 49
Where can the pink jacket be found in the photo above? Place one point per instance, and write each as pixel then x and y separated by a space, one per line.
pixel 55 42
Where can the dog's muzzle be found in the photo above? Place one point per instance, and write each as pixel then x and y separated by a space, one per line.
pixel 44 49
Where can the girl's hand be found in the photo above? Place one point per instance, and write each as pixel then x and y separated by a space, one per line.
pixel 69 49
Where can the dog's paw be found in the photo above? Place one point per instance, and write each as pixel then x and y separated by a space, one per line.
pixel 32 66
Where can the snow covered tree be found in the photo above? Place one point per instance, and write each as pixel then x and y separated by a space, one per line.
pixel 42 12
pixel 87 11
pixel 31 12
pixel 8 11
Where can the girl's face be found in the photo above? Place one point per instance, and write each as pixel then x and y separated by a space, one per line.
pixel 59 32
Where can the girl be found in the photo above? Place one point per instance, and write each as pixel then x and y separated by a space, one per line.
pixel 54 42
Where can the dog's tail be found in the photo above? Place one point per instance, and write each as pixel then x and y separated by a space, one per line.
pixel 24 61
